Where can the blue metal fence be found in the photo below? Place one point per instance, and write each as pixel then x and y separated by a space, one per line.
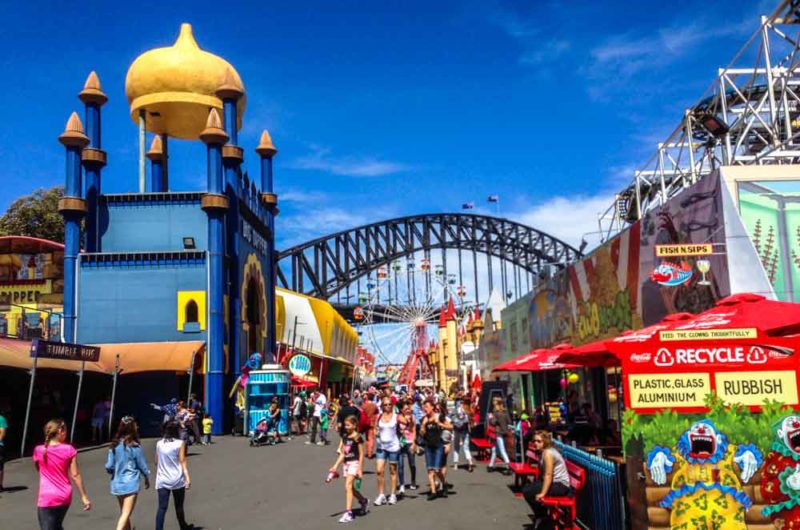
pixel 601 503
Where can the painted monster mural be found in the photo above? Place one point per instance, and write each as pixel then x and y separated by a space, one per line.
pixel 780 479
pixel 707 477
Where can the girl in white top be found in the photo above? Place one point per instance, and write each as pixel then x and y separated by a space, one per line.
pixel 388 437
pixel 172 474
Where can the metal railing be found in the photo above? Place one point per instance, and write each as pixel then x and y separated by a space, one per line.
pixel 601 502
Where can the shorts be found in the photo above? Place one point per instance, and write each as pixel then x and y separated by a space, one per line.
pixel 98 423
pixel 392 456
pixel 351 469
pixel 434 457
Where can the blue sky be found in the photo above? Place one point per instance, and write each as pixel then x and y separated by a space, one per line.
pixel 393 107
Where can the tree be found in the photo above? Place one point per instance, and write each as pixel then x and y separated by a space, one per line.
pixel 35 215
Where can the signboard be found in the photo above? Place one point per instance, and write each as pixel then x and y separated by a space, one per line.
pixel 299 365
pixel 65 351
pixel 679 375
pixel 663 251
pixel 709 334
pixel 668 390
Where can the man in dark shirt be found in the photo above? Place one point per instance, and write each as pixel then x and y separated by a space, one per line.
pixel 346 409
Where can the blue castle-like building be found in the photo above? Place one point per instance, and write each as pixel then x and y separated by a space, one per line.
pixel 168 266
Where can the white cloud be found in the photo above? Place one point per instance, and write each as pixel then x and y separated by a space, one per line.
pixel 567 218
pixel 320 159
pixel 310 223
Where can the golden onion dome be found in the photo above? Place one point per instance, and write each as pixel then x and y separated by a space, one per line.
pixel 177 87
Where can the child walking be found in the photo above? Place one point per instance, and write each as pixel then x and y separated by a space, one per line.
pixel 351 456
pixel 207 423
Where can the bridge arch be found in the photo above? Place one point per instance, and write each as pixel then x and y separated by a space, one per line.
pixel 325 266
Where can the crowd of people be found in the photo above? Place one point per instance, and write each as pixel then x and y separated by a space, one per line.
pixel 392 428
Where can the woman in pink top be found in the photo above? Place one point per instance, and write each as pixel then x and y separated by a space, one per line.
pixel 56 461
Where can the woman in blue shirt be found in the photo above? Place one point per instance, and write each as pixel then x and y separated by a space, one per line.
pixel 127 465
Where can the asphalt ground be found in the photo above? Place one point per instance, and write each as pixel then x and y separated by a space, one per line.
pixel 235 486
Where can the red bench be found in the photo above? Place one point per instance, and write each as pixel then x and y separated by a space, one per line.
pixel 563 510
pixel 483 447
pixel 522 471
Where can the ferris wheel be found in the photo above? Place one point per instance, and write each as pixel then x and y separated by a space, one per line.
pixel 400 304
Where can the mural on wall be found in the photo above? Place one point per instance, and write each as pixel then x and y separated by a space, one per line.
pixel 31 281
pixel 623 284
pixel 707 478
pixel 709 471
pixel 770 211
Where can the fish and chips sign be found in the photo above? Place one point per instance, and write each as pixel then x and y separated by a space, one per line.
pixel 687 365
pixel 65 351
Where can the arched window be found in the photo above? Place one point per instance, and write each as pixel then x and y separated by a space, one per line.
pixel 190 312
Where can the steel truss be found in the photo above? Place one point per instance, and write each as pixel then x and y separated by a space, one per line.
pixel 329 264
pixel 756 98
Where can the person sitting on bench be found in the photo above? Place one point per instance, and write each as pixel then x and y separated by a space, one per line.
pixel 553 481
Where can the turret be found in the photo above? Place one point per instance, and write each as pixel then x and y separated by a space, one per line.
pixel 215 205
pixel 156 157
pixel 93 157
pixel 266 150
pixel 72 207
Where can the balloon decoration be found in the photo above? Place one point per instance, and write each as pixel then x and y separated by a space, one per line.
pixel 563 383
pixel 573 378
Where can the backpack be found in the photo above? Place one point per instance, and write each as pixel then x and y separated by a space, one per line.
pixel 364 423
pixel 303 409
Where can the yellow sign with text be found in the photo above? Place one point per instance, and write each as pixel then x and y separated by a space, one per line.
pixel 666 251
pixel 709 334
pixel 668 390
pixel 752 388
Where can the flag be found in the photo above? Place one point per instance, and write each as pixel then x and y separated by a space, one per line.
pixel 468 206
pixel 493 198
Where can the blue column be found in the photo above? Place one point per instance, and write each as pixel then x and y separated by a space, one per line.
pixel 72 207
pixel 232 156
pixel 94 158
pixel 266 150
pixel 215 205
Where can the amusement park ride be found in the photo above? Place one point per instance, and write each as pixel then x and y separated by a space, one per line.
pixel 750 115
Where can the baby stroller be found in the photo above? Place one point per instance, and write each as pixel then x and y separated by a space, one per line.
pixel 265 434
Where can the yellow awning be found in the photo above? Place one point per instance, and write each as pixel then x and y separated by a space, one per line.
pixel 137 357
pixel 134 357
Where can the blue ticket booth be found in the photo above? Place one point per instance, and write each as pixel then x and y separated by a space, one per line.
pixel 262 386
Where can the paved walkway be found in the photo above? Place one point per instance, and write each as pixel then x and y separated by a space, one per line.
pixel 238 487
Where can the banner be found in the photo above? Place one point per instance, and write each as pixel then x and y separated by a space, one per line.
pixel 45 349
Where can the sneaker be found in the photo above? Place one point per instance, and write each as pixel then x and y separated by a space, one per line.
pixel 413 487
pixel 320 443
pixel 392 499
pixel 380 501
pixel 455 466
pixel 431 496
pixel 346 517
pixel 401 490
pixel 364 506
pixel 308 442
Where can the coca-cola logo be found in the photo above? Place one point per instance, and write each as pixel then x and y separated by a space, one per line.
pixel 641 357
pixel 664 357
